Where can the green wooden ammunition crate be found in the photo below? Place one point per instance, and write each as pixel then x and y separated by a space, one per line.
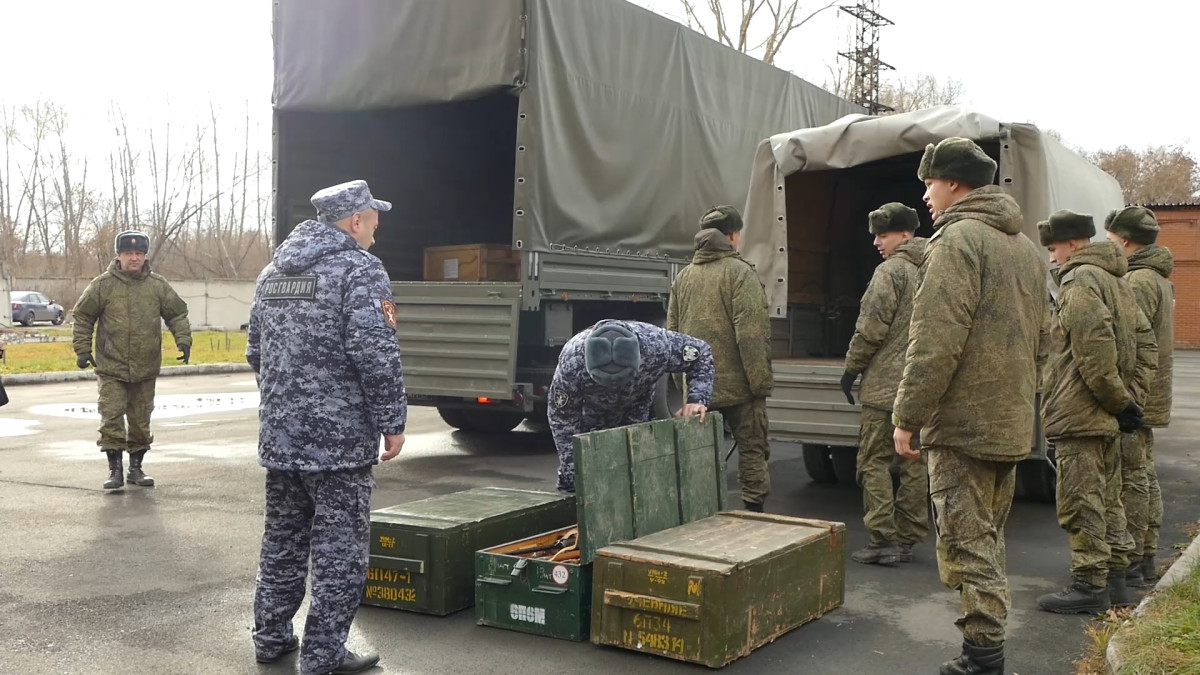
pixel 712 591
pixel 629 482
pixel 423 553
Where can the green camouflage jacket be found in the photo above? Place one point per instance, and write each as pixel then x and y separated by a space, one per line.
pixel 719 299
pixel 881 333
pixel 1149 269
pixel 978 336
pixel 1108 357
pixel 125 308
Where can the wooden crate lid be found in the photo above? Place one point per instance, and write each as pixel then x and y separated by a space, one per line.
pixel 459 509
pixel 636 480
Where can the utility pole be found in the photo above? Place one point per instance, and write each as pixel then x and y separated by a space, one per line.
pixel 864 58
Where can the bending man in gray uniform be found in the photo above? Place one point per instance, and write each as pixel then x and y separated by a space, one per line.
pixel 606 378
pixel 323 345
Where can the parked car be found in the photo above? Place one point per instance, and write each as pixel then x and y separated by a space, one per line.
pixel 30 306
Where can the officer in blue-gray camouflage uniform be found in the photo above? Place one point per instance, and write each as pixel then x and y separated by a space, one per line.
pixel 322 343
pixel 606 377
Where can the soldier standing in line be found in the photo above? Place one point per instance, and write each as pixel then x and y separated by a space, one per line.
pixel 126 305
pixel 895 522
pixel 1134 230
pixel 976 346
pixel 1094 389
pixel 720 300
pixel 322 343
pixel 606 378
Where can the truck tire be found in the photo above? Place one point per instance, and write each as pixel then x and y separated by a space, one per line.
pixel 818 463
pixel 1036 480
pixel 480 421
pixel 845 465
pixel 667 399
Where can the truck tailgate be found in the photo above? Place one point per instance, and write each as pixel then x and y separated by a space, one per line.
pixel 808 405
pixel 458 339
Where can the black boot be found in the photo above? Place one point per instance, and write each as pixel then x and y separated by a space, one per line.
pixel 115 479
pixel 355 663
pixel 887 553
pixel 1119 594
pixel 1149 572
pixel 976 660
pixel 1078 598
pixel 1133 576
pixel 136 476
pixel 751 506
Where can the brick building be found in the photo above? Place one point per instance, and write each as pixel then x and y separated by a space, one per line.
pixel 1180 225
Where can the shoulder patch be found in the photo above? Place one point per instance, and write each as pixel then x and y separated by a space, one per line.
pixel 561 399
pixel 690 354
pixel 389 312
pixel 290 288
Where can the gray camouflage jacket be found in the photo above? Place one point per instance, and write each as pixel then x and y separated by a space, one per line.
pixel 323 345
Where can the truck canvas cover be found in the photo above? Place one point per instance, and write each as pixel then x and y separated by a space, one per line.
pixel 629 124
pixel 1038 171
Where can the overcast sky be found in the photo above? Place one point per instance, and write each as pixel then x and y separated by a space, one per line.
pixel 1100 78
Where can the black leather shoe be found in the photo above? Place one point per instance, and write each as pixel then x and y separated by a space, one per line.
pixel 292 645
pixel 354 663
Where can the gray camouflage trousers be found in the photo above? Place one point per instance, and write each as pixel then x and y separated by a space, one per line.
pixel 325 516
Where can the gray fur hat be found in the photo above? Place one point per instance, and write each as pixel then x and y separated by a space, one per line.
pixel 957 159
pixel 611 353
pixel 132 240
pixel 1064 226
pixel 893 217
pixel 1135 223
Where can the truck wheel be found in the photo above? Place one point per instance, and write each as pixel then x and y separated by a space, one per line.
pixel 818 463
pixel 845 465
pixel 1036 480
pixel 481 421
pixel 667 399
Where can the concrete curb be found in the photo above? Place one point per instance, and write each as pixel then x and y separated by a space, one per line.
pixel 1178 571
pixel 77 376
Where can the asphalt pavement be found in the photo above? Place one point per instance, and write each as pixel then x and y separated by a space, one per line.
pixel 160 580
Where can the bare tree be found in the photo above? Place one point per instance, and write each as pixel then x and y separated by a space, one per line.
pixel 922 91
pixel 1157 175
pixel 757 27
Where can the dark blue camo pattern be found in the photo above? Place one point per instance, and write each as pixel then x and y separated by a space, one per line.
pixel 326 515
pixel 578 405
pixel 328 365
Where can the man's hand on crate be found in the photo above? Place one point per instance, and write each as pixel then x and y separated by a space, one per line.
pixel 693 409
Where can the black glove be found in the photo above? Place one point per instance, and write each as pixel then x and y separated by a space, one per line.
pixel 187 355
pixel 848 379
pixel 1130 419
pixel 83 360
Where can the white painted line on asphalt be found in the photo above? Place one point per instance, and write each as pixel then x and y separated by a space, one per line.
pixel 11 428
pixel 165 406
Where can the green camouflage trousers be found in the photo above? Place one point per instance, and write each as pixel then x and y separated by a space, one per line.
pixel 748 422
pixel 1135 489
pixel 903 516
pixel 121 402
pixel 971 500
pixel 1089 506
pixel 1154 508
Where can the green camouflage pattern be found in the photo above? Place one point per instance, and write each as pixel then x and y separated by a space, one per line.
pixel 125 409
pixel 125 310
pixel 1154 503
pixel 1149 270
pixel 1090 508
pixel 1135 489
pixel 979 332
pixel 1108 357
pixel 971 501
pixel 881 333
pixel 900 517
pixel 719 299
pixel 748 422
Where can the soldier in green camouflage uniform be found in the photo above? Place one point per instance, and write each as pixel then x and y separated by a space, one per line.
pixel 124 306
pixel 1134 230
pixel 895 521
pixel 976 345
pixel 1094 389
pixel 720 300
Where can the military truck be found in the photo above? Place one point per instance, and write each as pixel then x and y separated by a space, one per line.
pixel 806 231
pixel 566 148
